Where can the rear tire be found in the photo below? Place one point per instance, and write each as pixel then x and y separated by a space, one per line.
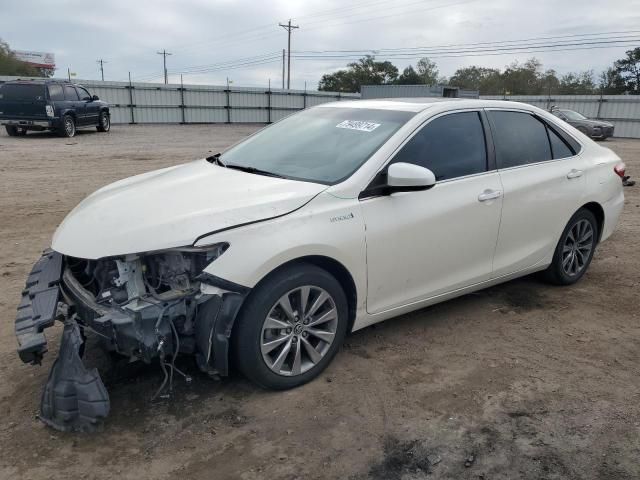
pixel 22 132
pixel 104 123
pixel 306 341
pixel 11 130
pixel 68 127
pixel 575 249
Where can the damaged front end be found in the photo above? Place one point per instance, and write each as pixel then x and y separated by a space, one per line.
pixel 144 307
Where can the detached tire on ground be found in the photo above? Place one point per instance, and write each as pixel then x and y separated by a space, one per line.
pixel 290 327
pixel 575 249
pixel 68 128
pixel 104 123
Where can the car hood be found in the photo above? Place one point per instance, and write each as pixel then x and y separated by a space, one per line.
pixel 172 207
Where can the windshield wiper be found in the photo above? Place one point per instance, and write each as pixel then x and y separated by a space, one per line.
pixel 255 170
pixel 215 159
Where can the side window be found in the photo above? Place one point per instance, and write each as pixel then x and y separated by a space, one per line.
pixel 70 93
pixel 519 138
pixel 84 94
pixel 55 92
pixel 558 147
pixel 450 146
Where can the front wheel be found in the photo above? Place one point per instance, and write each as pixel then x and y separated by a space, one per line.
pixel 104 123
pixel 575 249
pixel 290 327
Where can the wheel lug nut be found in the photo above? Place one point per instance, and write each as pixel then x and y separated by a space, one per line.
pixel 305 334
pixel 289 330
pixel 306 322
pixel 294 339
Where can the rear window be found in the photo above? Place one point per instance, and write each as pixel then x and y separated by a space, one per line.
pixel 21 92
pixel 55 92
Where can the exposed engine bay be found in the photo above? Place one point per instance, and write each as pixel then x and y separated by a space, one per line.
pixel 151 307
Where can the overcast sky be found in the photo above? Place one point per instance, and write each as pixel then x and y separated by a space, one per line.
pixel 127 34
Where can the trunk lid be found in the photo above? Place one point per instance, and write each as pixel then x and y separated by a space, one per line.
pixel 22 100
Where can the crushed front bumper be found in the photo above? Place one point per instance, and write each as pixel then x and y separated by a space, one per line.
pixel 74 397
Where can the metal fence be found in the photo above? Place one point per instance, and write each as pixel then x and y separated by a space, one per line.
pixel 174 103
pixel 621 110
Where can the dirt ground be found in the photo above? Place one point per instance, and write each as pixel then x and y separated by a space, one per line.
pixel 522 380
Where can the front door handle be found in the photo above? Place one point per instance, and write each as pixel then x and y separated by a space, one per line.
pixel 574 174
pixel 489 195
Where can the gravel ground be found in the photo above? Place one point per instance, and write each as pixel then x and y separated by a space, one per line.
pixel 522 380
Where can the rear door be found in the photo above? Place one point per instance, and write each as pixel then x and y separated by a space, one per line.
pixel 426 243
pixel 543 179
pixel 72 101
pixel 23 101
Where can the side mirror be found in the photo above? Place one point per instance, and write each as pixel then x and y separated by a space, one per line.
pixel 95 97
pixel 406 177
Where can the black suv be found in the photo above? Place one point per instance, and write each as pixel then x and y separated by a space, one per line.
pixel 50 105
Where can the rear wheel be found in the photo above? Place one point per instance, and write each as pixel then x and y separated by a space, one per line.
pixel 68 128
pixel 22 132
pixel 575 249
pixel 290 327
pixel 11 130
pixel 104 123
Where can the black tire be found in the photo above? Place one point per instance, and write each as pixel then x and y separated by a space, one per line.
pixel 22 132
pixel 11 130
pixel 556 273
pixel 104 123
pixel 68 127
pixel 248 333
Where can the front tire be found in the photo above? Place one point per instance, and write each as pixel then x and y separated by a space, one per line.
pixel 290 327
pixel 104 123
pixel 575 249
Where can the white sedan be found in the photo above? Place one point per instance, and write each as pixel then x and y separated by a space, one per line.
pixel 333 219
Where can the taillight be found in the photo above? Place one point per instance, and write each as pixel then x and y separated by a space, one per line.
pixel 620 169
pixel 49 110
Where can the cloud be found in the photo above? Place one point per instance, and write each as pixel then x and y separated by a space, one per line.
pixel 127 34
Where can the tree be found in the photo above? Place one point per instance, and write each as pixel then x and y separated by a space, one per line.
pixel 428 71
pixel 409 77
pixel 523 79
pixel 580 83
pixel 486 80
pixel 628 69
pixel 611 83
pixel 365 71
pixel 10 65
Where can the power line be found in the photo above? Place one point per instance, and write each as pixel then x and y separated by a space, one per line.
pixel 288 27
pixel 164 54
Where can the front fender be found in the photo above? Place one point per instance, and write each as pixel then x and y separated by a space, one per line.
pixel 327 226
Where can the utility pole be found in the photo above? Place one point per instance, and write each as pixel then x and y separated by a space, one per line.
pixel 288 27
pixel 164 54
pixel 283 68
pixel 101 62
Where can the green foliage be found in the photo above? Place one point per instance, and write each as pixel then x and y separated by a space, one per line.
pixel 10 65
pixel 628 71
pixel 365 71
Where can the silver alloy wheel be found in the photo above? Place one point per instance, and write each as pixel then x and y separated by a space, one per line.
pixel 69 126
pixel 299 330
pixel 105 122
pixel 577 247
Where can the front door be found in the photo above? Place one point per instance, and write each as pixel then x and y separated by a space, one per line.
pixel 426 243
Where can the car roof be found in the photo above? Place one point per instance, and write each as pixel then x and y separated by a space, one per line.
pixel 419 104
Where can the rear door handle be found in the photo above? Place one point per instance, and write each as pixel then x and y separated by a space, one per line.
pixel 489 195
pixel 574 174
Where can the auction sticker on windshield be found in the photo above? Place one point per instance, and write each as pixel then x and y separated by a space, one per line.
pixel 358 125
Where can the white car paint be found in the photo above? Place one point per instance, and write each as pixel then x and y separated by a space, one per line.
pixel 403 251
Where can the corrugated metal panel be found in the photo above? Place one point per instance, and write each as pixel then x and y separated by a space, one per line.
pixel 205 115
pixel 408 91
pixel 249 116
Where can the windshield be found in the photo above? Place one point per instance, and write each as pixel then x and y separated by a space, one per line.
pixel 21 92
pixel 571 115
pixel 322 145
